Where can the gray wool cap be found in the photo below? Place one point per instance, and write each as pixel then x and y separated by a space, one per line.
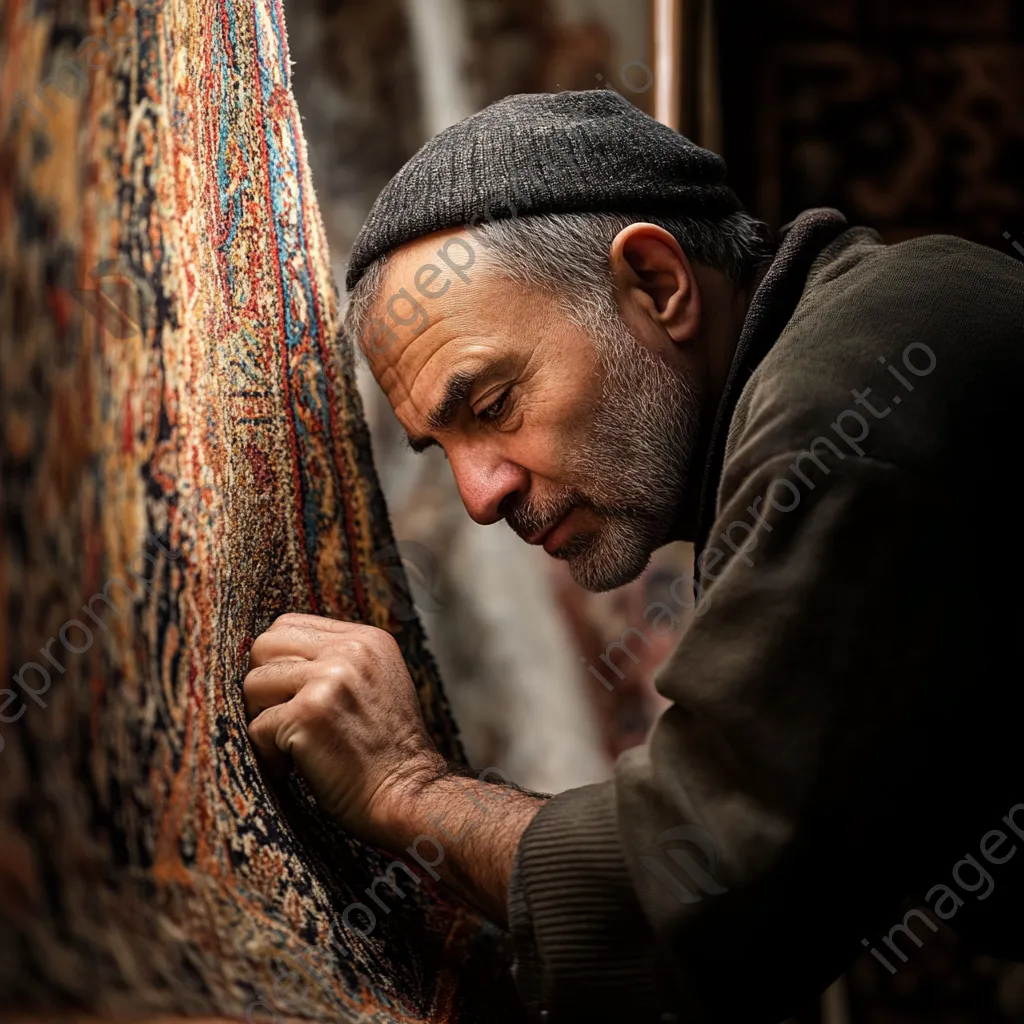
pixel 565 152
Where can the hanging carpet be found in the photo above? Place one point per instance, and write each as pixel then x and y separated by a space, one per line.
pixel 183 459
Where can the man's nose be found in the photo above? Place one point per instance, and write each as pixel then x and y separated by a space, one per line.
pixel 484 485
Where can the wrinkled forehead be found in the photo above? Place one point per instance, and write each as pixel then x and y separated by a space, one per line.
pixel 440 284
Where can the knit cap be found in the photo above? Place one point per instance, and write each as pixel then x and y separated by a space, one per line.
pixel 566 152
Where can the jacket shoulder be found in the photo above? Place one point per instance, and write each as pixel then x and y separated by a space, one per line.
pixel 924 332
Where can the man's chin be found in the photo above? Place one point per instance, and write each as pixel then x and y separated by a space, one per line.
pixel 599 570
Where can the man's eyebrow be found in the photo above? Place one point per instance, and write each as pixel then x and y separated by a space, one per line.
pixel 456 391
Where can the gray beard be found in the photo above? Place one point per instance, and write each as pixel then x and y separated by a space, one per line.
pixel 632 468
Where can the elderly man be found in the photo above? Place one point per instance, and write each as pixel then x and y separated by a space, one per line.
pixel 565 296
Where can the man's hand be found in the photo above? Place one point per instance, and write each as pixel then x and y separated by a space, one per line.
pixel 335 698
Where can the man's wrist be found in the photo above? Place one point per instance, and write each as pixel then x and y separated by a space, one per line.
pixel 439 799
pixel 404 807
pixel 472 828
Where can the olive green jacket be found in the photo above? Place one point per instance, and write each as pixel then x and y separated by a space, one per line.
pixel 845 732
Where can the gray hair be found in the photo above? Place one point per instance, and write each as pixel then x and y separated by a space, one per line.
pixel 566 254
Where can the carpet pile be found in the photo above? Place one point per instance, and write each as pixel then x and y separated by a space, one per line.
pixel 183 459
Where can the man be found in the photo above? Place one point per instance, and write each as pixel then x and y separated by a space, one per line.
pixel 614 355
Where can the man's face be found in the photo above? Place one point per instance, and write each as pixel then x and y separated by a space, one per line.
pixel 582 444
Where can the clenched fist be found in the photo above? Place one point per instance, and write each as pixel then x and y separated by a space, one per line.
pixel 335 699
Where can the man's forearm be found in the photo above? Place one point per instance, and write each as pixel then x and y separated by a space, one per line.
pixel 467 830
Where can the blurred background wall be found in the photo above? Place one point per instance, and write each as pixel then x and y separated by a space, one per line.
pixel 907 115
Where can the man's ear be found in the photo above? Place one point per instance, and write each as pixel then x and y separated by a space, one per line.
pixel 654 279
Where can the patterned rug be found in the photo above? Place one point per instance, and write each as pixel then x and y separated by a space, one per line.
pixel 183 458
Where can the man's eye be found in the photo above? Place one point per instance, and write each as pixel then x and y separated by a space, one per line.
pixel 495 409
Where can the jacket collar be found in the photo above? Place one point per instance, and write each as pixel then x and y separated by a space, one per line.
pixel 770 310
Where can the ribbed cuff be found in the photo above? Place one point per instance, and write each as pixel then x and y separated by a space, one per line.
pixel 526 965
pixel 584 950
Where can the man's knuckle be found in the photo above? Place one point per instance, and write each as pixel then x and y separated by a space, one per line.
pixel 388 642
pixel 336 672
pixel 379 640
pixel 258 647
pixel 319 703
pixel 345 650
pixel 360 645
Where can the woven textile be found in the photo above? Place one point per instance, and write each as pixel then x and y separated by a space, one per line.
pixel 183 459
